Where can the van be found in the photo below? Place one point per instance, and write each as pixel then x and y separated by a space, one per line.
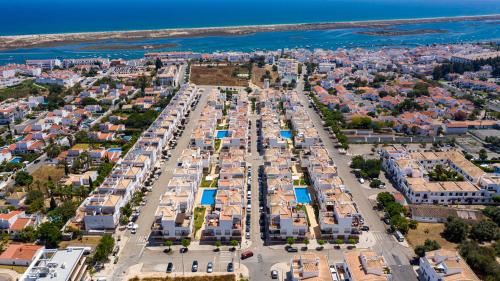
pixel 399 236
pixel 246 254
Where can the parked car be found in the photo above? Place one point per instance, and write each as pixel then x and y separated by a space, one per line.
pixel 274 274
pixel 194 267
pixel 292 249
pixel 246 254
pixel 210 267
pixel 170 267
pixel 365 228
pixel 230 267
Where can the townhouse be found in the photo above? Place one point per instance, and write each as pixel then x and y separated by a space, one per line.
pixel 224 220
pixel 285 217
pixel 445 265
pixel 311 267
pixel 364 264
pixel 410 170
pixel 101 210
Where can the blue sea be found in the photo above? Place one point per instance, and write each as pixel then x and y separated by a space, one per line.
pixel 63 16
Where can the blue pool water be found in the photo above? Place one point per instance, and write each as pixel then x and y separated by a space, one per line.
pixel 302 195
pixel 16 160
pixel 287 134
pixel 222 134
pixel 208 197
pixel 116 149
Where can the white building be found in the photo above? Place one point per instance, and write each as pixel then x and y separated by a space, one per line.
pixel 58 265
pixel 445 265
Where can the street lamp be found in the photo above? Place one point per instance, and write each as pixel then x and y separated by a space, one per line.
pixel 239 257
pixel 182 257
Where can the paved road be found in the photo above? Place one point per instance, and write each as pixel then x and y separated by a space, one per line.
pixel 135 246
pixel 396 255
pixel 154 259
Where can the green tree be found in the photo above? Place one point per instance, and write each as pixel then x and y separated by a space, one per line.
pixel 158 64
pixel 27 235
pixel 104 248
pixel 23 178
pixel 413 224
pixel 185 243
pixel 455 230
pixel 482 260
pixel 306 242
pixel 290 241
pixel 321 242
pixel 217 245
pixel 429 245
pixel 50 234
pixel 169 243
pixel 483 155
pixel 233 243
pixel 493 212
pixel 375 183
pixel 484 231
pixel 384 198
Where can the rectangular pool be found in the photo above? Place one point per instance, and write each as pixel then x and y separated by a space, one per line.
pixel 222 134
pixel 287 134
pixel 115 149
pixel 302 195
pixel 208 197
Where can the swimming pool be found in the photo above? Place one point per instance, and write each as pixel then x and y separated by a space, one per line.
pixel 208 197
pixel 115 149
pixel 302 195
pixel 287 134
pixel 16 160
pixel 222 134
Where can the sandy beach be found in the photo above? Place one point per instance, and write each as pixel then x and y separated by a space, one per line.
pixel 45 40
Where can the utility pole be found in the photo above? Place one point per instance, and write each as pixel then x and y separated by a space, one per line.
pixel 182 257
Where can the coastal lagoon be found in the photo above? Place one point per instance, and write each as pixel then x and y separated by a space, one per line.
pixel 454 32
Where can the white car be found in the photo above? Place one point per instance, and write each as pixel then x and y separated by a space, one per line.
pixel 130 225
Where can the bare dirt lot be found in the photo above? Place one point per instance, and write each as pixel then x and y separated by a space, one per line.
pixel 430 231
pixel 258 72
pixel 218 75
pixel 41 176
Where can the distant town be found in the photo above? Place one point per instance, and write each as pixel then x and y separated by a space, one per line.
pixel 294 164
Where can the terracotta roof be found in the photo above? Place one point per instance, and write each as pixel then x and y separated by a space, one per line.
pixel 20 252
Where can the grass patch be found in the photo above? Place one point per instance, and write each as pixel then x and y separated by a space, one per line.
pixel 23 90
pixel 299 182
pixel 199 218
pixel 430 231
pixel 217 144
pixel 218 75
pixel 17 268
pixel 209 183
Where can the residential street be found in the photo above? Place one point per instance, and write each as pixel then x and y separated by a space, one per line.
pixel 152 258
